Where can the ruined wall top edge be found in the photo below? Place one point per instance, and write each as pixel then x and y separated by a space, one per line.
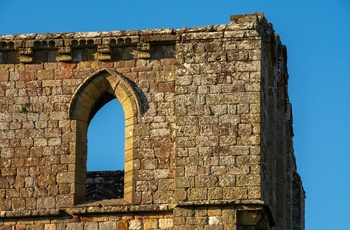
pixel 237 22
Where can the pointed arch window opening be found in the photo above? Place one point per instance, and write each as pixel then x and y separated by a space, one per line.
pixel 106 138
pixel 95 91
pixel 105 153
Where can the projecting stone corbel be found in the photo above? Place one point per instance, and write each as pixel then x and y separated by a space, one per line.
pixel 143 51
pixel 104 52
pixel 25 55
pixel 65 53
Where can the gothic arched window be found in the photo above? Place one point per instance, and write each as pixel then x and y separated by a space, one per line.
pixel 105 153
pixel 106 138
pixel 95 92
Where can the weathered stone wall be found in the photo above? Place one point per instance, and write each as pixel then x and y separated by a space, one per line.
pixel 208 136
pixel 277 154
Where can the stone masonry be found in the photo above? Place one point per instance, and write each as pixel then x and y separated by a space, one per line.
pixel 208 129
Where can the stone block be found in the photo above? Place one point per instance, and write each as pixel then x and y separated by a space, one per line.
pixel 150 224
pixel 49 227
pixel 65 177
pixel 107 226
pixel 228 216
pixel 46 203
pixel 166 223
pixel 46 74
pixel 180 195
pixel 164 197
pixel 215 193
pixel 214 220
pixel 64 201
pixel 197 194
pixel 122 225
pixel 28 75
pixel 18 203
pixel 135 225
pixel 166 184
pixel 4 75
pixel 235 193
pixel 214 227
pixel 6 227
pixel 92 226
pixel 74 226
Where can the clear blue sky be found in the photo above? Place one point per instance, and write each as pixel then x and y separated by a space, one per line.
pixel 317 35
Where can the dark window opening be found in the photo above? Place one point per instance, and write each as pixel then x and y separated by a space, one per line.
pixel 45 56
pixel 162 51
pixel 122 53
pixel 84 54
pixel 9 57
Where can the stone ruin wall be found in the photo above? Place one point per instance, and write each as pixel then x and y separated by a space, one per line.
pixel 208 137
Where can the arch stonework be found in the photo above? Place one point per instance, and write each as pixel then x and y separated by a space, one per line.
pixel 83 102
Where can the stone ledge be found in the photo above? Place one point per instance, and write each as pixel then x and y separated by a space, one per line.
pixel 87 209
pixel 30 213
pixel 91 208
pixel 116 206
pixel 221 202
